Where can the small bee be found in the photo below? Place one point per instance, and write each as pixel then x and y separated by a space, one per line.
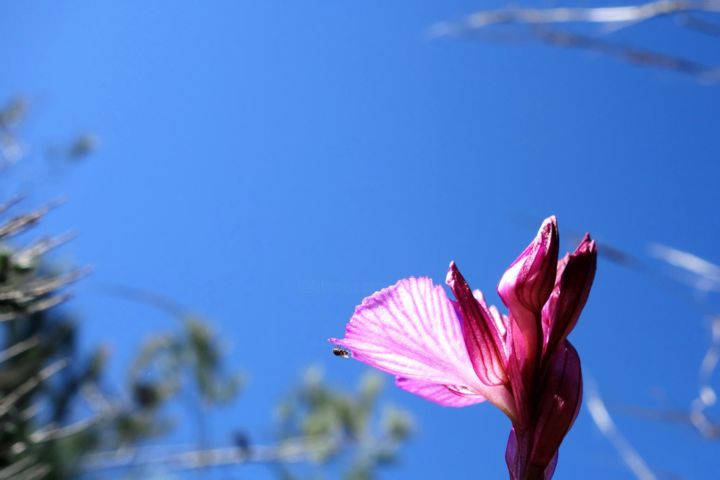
pixel 340 352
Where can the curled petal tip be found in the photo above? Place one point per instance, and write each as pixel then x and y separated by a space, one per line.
pixel 530 278
pixel 526 286
pixel 451 273
pixel 575 276
pixel 551 220
pixel 586 244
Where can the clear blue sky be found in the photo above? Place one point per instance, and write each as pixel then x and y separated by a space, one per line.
pixel 271 163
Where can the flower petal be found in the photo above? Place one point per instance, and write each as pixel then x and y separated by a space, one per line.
pixel 524 288
pixel 411 329
pixel 528 281
pixel 560 398
pixel 574 278
pixel 438 393
pixel 480 331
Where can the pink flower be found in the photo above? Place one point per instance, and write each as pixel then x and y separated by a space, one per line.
pixel 460 352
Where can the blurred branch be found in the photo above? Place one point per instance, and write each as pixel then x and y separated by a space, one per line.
pixel 146 297
pixel 41 247
pixel 57 432
pixel 638 56
pixel 7 205
pixel 11 115
pixel 19 348
pixel 15 470
pixel 534 16
pixel 699 24
pixel 40 287
pixel 36 472
pixel 544 26
pixel 606 425
pixel 296 450
pixel 701 274
pixel 707 396
pixel 22 222
pixel 13 397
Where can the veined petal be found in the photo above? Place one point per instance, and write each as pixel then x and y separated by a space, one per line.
pixel 480 331
pixel 528 281
pixel 560 398
pixel 411 330
pixel 438 393
pixel 517 459
pixel 575 276
pixel 524 288
pixel 500 320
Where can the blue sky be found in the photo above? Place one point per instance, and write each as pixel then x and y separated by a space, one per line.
pixel 271 163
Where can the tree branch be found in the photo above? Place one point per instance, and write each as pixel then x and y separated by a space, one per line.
pixel 535 16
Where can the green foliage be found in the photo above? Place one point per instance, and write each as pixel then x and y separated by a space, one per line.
pixel 57 420
pixel 340 428
pixel 41 374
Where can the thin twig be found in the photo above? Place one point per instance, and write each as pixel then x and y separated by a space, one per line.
pixel 699 24
pixel 41 247
pixel 535 16
pixel 294 450
pixel 55 432
pixel 19 347
pixel 36 472
pixel 8 204
pixel 707 396
pixel 605 424
pixel 629 53
pixel 31 291
pixel 16 467
pixel 22 222
pixel 147 297
pixel 704 275
pixel 541 23
pixel 13 397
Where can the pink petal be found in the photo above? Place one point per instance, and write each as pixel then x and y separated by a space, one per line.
pixel 528 281
pixel 560 398
pixel 524 288
pixel 518 462
pixel 438 393
pixel 411 330
pixel 483 340
pixel 574 278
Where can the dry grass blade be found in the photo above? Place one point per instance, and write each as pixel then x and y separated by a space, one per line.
pixel 606 425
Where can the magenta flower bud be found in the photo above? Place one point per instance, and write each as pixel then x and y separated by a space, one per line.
pixel 526 285
pixel 575 276
pixel 524 288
